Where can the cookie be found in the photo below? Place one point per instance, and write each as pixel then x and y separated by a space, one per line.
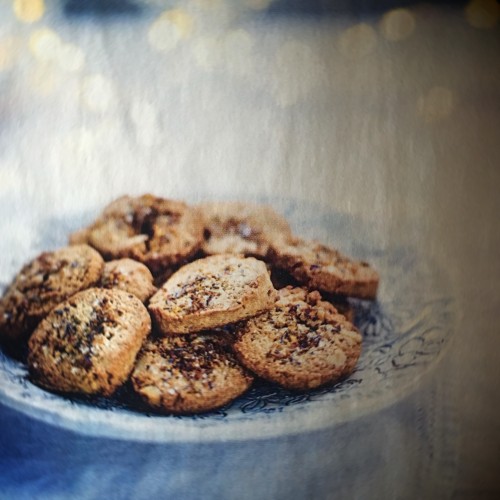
pixel 302 343
pixel 42 284
pixel 343 306
pixel 241 228
pixel 281 279
pixel 155 231
pixel 79 237
pixel 130 276
pixel 319 267
pixel 88 344
pixel 189 373
pixel 212 292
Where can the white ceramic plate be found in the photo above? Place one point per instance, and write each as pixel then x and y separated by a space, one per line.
pixel 405 333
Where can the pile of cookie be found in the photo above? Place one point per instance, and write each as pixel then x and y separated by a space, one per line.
pixel 189 303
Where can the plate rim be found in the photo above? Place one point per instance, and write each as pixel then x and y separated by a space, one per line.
pixel 265 425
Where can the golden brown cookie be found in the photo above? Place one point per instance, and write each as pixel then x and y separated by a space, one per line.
pixel 79 237
pixel 130 276
pixel 42 284
pixel 189 373
pixel 323 268
pixel 155 231
pixel 301 343
pixel 343 306
pixel 241 228
pixel 281 279
pixel 212 292
pixel 88 344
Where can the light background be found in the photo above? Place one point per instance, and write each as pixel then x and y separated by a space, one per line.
pixel 392 114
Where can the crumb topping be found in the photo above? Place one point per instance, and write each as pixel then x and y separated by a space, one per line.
pixel 80 340
pixel 155 231
pixel 193 356
pixel 208 289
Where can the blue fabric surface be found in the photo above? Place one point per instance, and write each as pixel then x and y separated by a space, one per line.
pixel 398 453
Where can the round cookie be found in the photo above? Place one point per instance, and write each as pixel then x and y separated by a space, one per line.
pixel 155 231
pixel 212 292
pixel 88 344
pixel 130 276
pixel 241 228
pixel 189 373
pixel 320 267
pixel 43 283
pixel 302 343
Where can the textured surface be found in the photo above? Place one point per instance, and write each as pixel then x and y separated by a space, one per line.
pixel 212 292
pixel 392 116
pixel 319 267
pixel 43 283
pixel 130 276
pixel 244 228
pixel 153 230
pixel 88 343
pixel 189 373
pixel 301 343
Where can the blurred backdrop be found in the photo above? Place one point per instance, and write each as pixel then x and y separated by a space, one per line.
pixel 387 110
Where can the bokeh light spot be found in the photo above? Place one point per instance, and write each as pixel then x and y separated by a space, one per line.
pixel 398 24
pixel 172 26
pixel 181 20
pixel 207 52
pixel 483 14
pixel 232 52
pixel 29 11
pixel 98 93
pixel 44 44
pixel 358 41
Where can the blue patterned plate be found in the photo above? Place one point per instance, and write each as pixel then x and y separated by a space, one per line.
pixel 405 333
